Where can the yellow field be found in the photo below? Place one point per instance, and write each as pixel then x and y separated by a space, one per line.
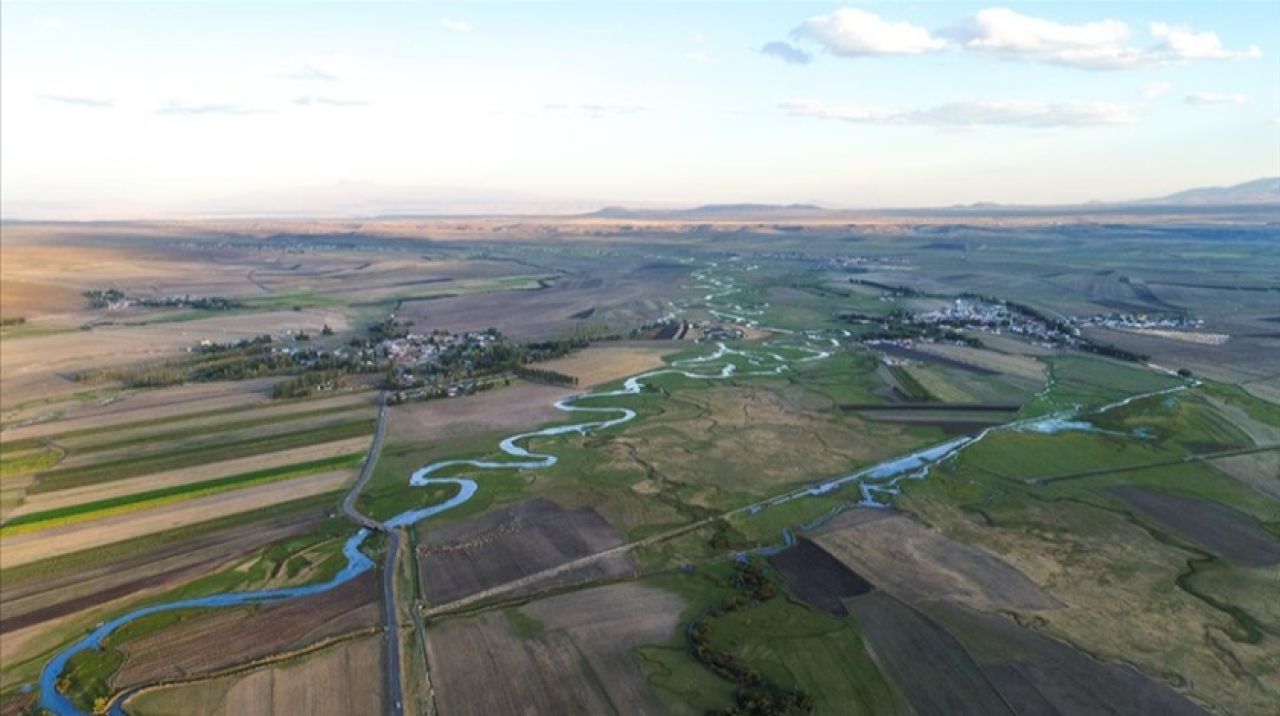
pixel 607 363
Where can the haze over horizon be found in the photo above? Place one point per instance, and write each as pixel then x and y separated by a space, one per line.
pixel 140 111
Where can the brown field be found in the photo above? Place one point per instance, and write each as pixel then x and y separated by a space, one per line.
pixel 215 423
pixel 913 562
pixel 63 414
pixel 1223 530
pixel 182 650
pixel 510 408
pixel 32 546
pixel 608 362
pixel 42 611
pixel 579 661
pixel 934 672
pixel 41 501
pixel 105 452
pixel 28 360
pixel 1038 674
pixel 514 542
pixel 818 579
pixel 336 681
pixel 622 298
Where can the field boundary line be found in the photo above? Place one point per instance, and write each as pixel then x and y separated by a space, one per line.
pixel 122 697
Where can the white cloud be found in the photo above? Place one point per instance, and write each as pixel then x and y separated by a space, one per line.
pixel 1001 33
pixel 323 68
pixel 79 101
pixel 1205 99
pixel 976 113
pixel 52 23
pixel 321 101
pixel 1155 89
pixel 1006 34
pixel 455 24
pixel 787 52
pixel 1182 44
pixel 186 109
pixel 702 58
pixel 857 33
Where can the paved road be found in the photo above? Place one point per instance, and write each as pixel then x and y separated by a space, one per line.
pixel 395 698
pixel 366 470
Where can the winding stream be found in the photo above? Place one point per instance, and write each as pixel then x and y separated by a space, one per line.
pixel 722 363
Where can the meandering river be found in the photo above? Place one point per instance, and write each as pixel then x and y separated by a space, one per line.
pixel 721 363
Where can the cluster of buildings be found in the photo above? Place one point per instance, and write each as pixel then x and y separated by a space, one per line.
pixel 1140 320
pixel 998 317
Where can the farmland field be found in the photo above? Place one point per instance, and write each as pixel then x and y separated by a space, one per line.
pixel 809 491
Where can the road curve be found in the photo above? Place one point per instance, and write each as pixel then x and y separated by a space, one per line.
pixel 395 698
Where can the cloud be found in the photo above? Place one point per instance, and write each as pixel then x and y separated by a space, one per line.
pixel 1004 34
pixel 94 102
pixel 1155 89
pixel 977 113
pixel 315 101
pixel 455 24
pixel 322 68
pixel 52 23
pixel 311 72
pixel 1184 44
pixel 702 58
pixel 1205 99
pixel 857 33
pixel 595 110
pixel 787 52
pixel 184 109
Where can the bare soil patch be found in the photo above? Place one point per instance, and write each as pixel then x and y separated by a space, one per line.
pixel 913 562
pixel 514 542
pixel 1223 530
pixel 510 408
pixel 818 579
pixel 937 676
pixel 340 680
pixel 579 661
pixel 1036 673
pixel 221 638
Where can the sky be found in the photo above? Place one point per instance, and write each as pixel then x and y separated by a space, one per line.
pixel 133 110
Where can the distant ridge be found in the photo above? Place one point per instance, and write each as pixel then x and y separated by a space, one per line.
pixel 711 211
pixel 1258 191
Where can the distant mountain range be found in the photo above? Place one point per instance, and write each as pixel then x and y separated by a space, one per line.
pixel 713 211
pixel 1261 193
pixel 1258 191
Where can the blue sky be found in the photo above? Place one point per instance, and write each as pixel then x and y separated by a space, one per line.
pixel 133 109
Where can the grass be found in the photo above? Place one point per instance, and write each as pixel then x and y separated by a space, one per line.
pixel 524 626
pixel 23 462
pixel 799 648
pixel 183 457
pixel 179 493
pixel 1079 381
pixel 86 678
